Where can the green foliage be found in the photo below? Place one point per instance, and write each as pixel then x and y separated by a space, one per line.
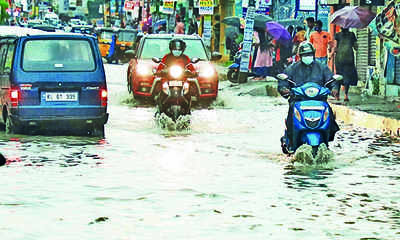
pixel 375 84
pixel 3 13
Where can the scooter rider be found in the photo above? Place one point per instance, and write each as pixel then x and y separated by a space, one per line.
pixel 303 71
pixel 175 57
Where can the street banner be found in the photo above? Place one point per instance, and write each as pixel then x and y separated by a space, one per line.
pixel 168 7
pixel 206 7
pixel 207 31
pixel 262 7
pixel 247 40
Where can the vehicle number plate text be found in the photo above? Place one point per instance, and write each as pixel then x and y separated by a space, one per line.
pixel 175 83
pixel 61 96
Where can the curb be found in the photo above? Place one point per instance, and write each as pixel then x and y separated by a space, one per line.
pixel 367 120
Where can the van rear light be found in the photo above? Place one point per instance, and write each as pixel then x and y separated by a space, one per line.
pixel 14 97
pixel 103 97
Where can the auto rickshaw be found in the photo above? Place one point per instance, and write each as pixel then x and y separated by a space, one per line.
pixel 125 40
pixel 104 36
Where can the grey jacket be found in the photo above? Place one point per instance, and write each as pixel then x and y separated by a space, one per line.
pixel 301 73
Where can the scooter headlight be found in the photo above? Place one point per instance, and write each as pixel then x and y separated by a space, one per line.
pixel 297 114
pixel 175 71
pixel 311 92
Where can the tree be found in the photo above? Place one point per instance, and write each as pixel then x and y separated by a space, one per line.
pixel 3 13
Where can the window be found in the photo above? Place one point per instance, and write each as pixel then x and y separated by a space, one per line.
pixel 160 47
pixel 9 59
pixel 3 49
pixel 58 55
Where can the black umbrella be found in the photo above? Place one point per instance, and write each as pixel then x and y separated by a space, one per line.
pixel 260 21
pixel 232 21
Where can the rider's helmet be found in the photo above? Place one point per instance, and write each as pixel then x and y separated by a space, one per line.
pixel 177 47
pixel 306 52
pixel 306 48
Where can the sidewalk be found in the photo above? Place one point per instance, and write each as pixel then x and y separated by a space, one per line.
pixel 370 112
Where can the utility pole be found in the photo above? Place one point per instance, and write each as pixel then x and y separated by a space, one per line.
pixel 247 42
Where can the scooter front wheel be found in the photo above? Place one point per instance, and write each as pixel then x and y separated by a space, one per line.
pixel 233 75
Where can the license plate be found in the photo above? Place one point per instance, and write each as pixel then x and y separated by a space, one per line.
pixel 61 96
pixel 175 83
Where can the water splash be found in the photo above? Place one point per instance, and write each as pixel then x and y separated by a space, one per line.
pixel 304 155
pixel 165 122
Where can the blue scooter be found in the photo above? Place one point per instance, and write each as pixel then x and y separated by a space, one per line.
pixel 234 68
pixel 311 115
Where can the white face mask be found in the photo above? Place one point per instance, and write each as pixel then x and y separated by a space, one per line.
pixel 176 53
pixel 307 60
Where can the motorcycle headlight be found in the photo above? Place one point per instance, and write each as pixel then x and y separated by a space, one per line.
pixel 311 92
pixel 297 114
pixel 206 71
pixel 175 71
pixel 144 69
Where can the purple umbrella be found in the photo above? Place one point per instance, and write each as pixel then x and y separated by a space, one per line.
pixel 352 17
pixel 278 32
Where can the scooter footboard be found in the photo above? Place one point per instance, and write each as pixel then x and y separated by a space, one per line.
pixel 312 138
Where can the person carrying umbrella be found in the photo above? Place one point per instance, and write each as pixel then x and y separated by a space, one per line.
pixel 264 59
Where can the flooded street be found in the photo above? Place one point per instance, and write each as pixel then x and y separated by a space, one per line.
pixel 224 178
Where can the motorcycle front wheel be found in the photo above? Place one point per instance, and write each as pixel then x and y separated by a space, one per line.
pixel 232 75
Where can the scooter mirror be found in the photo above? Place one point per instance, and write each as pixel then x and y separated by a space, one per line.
pixel 337 77
pixel 282 76
pixel 195 60
pixel 156 59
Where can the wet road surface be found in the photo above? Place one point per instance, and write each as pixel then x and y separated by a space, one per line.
pixel 225 178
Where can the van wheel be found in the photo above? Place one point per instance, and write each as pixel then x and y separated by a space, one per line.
pixel 98 131
pixel 10 126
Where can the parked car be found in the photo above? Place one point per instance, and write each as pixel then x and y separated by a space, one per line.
pixel 140 78
pixel 51 80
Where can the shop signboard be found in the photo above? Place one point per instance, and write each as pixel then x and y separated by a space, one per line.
pixel 206 7
pixel 306 5
pixel 130 5
pixel 168 7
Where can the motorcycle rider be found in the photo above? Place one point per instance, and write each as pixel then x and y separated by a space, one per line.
pixel 303 71
pixel 174 57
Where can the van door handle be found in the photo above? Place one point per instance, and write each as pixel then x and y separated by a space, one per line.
pixel 5 88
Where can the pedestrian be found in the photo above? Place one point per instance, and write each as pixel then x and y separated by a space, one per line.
pixel 216 32
pixel 310 27
pixel 298 38
pixel 346 43
pixel 321 41
pixel 180 28
pixel 264 59
pixel 193 29
pixel 291 31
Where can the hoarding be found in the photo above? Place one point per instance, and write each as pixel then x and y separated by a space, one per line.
pixel 306 5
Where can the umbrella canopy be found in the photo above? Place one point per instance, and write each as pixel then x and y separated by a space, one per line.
pixel 278 32
pixel 260 21
pixel 233 21
pixel 352 17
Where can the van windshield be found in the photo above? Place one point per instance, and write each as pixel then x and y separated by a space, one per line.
pixel 58 55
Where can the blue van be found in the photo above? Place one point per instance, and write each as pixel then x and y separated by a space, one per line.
pixel 51 81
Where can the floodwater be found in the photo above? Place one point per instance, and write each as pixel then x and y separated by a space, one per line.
pixel 224 178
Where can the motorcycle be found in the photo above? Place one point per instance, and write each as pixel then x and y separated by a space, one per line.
pixel 174 98
pixel 311 115
pixel 234 68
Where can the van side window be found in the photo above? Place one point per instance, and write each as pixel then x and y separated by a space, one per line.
pixel 3 49
pixel 9 59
